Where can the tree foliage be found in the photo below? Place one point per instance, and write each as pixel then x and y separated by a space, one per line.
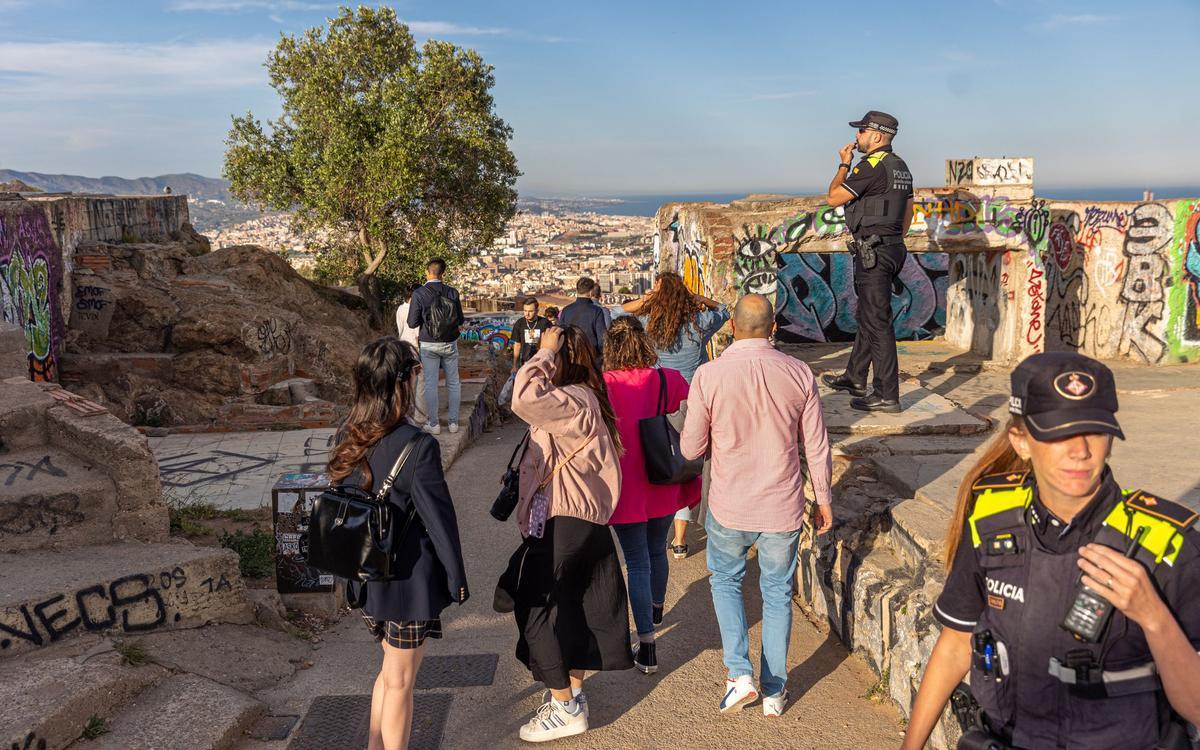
pixel 395 149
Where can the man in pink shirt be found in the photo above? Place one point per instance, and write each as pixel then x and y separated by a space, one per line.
pixel 748 409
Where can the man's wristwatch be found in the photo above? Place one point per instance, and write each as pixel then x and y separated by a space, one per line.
pixel 845 164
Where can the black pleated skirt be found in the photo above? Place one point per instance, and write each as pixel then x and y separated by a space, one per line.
pixel 570 602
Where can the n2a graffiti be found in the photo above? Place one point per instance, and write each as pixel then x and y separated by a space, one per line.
pixel 820 303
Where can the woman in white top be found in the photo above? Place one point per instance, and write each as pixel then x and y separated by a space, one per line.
pixel 407 333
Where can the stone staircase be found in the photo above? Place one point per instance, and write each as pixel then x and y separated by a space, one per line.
pixel 86 567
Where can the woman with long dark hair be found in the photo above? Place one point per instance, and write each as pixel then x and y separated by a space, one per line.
pixel 645 511
pixel 565 580
pixel 429 570
pixel 680 324
pixel 1071 602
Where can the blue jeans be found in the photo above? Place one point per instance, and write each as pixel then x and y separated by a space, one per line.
pixel 644 546
pixel 444 356
pixel 726 554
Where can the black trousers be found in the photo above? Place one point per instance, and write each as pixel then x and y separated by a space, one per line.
pixel 875 341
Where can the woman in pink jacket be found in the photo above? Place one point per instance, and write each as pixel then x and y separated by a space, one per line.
pixel 644 511
pixel 565 581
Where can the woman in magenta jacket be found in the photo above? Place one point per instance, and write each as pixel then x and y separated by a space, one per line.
pixel 644 511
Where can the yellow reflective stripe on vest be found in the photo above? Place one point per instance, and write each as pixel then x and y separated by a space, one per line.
pixel 991 502
pixel 875 158
pixel 1159 533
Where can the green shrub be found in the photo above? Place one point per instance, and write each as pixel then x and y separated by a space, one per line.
pixel 94 727
pixel 256 551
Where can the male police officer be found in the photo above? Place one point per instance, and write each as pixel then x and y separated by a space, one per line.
pixel 878 191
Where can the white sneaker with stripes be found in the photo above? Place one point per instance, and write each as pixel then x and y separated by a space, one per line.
pixel 738 693
pixel 554 720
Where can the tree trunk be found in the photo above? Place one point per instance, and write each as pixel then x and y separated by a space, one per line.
pixel 368 287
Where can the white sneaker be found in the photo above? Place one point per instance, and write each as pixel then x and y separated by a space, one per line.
pixel 453 427
pixel 738 693
pixel 773 705
pixel 581 699
pixel 553 721
pixel 433 428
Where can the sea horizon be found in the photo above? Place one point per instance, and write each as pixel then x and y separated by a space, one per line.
pixel 647 204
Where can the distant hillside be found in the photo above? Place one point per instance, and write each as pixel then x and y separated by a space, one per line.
pixel 211 205
pixel 197 186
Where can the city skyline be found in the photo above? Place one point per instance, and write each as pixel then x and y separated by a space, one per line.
pixel 624 99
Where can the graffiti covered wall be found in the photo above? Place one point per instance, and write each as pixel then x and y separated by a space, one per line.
pixel 493 329
pixel 1004 277
pixel 30 280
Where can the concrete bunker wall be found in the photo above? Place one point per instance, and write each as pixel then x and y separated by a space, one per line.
pixel 38 237
pixel 1003 276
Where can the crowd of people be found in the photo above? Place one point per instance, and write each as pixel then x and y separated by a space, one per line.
pixel 1040 510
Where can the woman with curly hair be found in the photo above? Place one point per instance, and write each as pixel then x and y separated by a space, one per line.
pixel 680 325
pixel 644 511
pixel 429 572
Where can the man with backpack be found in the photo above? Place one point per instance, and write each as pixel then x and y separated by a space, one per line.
pixel 435 309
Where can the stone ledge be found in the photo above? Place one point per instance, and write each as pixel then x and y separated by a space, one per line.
pixel 122 589
pixel 51 699
pixel 50 499
pixel 184 712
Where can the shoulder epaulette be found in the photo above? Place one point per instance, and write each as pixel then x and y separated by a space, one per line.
pixel 1170 511
pixel 1007 481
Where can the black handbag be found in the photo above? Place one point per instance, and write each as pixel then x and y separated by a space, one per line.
pixel 351 532
pixel 660 445
pixel 510 493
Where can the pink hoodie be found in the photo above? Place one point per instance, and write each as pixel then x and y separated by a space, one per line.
pixel 562 420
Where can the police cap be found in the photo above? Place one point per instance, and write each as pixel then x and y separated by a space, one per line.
pixel 881 121
pixel 1061 394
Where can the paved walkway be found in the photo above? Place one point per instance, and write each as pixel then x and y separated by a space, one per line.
pixel 236 470
pixel 676 707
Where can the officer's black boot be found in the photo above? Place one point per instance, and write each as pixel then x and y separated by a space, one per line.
pixel 843 383
pixel 875 402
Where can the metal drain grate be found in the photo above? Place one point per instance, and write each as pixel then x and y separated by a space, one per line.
pixel 457 670
pixel 342 722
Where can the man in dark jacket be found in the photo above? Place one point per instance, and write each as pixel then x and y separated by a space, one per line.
pixel 586 313
pixel 435 309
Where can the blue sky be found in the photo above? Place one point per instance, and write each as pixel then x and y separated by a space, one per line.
pixel 652 96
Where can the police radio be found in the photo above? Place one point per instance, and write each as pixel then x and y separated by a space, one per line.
pixel 1089 611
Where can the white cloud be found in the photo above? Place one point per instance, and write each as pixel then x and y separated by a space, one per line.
pixel 96 70
pixel 448 28
pixel 1083 19
pixel 957 55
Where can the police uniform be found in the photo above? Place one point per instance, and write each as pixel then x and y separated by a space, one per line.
pixel 882 186
pixel 1015 578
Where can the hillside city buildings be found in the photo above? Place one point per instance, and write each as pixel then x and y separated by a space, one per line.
pixel 541 254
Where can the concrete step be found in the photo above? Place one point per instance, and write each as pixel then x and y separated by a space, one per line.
pixel 51 698
pixel 47 597
pixel 184 712
pixel 50 499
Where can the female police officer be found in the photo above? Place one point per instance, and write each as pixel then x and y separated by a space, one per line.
pixel 1043 539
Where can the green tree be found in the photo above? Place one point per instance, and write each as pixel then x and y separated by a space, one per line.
pixel 397 151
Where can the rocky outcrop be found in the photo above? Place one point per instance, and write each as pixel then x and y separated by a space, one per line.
pixel 172 334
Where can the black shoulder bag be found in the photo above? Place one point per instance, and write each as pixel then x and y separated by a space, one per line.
pixel 660 444
pixel 352 534
pixel 506 501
